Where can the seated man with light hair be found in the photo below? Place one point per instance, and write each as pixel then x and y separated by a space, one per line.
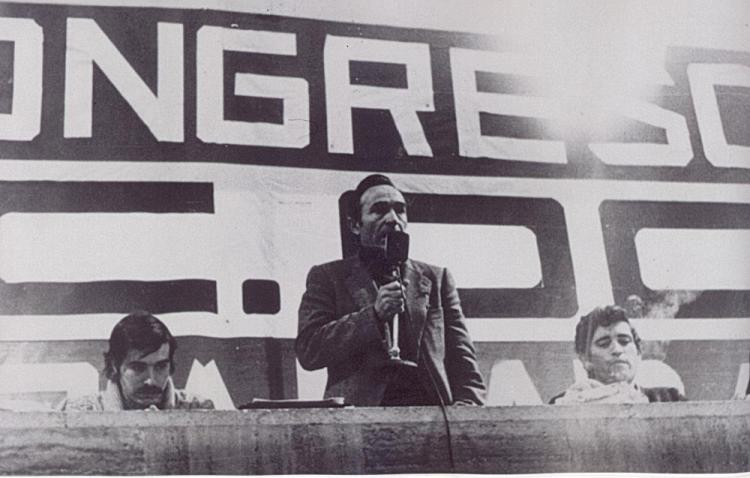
pixel 139 366
pixel 610 350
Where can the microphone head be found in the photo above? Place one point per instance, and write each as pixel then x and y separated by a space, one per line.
pixel 396 247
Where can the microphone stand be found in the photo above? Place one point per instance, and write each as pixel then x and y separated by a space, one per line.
pixel 394 352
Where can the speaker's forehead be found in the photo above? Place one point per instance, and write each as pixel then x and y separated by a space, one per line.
pixel 382 193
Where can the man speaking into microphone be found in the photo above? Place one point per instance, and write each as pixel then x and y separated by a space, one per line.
pixel 389 329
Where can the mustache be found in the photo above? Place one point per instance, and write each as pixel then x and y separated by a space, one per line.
pixel 148 390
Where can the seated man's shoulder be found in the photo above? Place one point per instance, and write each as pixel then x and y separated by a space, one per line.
pixel 83 403
pixel 187 400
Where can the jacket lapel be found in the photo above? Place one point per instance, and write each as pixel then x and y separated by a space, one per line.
pixel 417 299
pixel 360 285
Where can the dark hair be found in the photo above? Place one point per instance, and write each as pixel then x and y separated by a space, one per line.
pixel 601 317
pixel 355 206
pixel 140 331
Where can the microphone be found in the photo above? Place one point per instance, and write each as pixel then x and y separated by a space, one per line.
pixel 396 248
pixel 396 254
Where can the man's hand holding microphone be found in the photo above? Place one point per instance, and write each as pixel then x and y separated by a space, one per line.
pixel 390 300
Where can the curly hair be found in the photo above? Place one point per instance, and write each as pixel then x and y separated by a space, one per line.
pixel 601 317
pixel 140 331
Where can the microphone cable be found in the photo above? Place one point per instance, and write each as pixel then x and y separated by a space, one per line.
pixel 446 421
pixel 433 382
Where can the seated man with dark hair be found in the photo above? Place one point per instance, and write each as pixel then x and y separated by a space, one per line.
pixel 610 350
pixel 138 366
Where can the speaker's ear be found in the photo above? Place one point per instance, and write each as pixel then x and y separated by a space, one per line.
pixel 354 225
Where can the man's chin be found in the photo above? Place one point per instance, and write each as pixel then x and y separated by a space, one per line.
pixel 145 402
pixel 374 247
pixel 622 376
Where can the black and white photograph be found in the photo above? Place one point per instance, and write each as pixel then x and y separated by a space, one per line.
pixel 350 237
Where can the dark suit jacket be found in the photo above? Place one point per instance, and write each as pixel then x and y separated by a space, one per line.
pixel 338 329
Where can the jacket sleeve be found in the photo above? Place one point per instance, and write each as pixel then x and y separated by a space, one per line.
pixel 467 385
pixel 323 338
